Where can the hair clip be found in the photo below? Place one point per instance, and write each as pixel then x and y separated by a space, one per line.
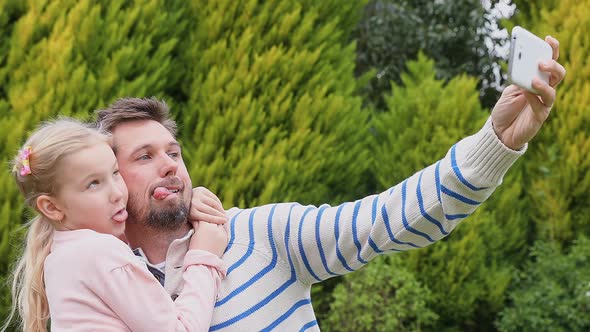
pixel 24 156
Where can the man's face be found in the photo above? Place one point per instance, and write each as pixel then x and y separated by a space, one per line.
pixel 151 164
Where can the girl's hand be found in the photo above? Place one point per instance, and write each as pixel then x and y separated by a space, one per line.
pixel 206 206
pixel 210 237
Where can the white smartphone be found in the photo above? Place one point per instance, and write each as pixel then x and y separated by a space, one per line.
pixel 526 52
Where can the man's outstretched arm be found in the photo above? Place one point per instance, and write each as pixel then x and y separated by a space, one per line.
pixel 329 241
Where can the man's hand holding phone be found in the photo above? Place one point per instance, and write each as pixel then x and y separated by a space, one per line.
pixel 519 114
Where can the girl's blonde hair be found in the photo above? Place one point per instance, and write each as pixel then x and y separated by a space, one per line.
pixel 48 145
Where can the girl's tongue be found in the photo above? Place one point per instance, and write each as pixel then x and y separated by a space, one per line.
pixel 121 216
pixel 161 193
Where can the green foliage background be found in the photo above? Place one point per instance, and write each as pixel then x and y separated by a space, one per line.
pixel 277 101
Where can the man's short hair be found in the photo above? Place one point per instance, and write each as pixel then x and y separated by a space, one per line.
pixel 133 109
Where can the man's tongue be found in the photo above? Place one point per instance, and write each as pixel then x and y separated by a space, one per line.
pixel 161 193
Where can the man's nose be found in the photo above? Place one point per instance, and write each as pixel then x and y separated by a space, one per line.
pixel 169 166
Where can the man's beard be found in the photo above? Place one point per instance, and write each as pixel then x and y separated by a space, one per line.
pixel 168 218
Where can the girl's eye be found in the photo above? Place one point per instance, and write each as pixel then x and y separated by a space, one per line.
pixel 93 184
pixel 174 154
pixel 116 172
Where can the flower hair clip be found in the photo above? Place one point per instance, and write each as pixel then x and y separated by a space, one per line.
pixel 25 154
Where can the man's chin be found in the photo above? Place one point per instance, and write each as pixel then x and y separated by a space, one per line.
pixel 167 218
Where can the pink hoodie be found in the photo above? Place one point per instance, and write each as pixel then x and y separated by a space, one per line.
pixel 94 282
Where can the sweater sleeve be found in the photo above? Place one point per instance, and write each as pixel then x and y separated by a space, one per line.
pixel 322 242
pixel 135 296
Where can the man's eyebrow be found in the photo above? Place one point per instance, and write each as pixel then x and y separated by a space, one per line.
pixel 142 147
pixel 148 146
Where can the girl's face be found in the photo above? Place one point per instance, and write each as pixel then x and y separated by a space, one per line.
pixel 92 194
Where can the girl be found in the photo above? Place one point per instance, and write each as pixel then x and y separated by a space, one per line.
pixel 74 268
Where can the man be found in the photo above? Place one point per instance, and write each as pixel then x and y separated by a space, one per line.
pixel 276 252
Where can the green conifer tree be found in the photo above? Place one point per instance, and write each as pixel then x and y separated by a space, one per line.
pixel 271 111
pixel 550 294
pixel 559 173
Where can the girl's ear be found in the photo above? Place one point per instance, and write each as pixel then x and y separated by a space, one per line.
pixel 49 207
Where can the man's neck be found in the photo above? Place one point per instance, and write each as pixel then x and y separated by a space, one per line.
pixel 153 242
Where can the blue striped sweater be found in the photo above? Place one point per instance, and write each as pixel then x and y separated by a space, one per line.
pixel 277 251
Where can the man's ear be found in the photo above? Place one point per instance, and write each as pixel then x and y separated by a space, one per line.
pixel 49 207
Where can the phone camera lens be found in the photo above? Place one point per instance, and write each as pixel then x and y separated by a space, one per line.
pixel 519 55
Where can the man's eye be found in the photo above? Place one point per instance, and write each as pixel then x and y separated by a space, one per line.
pixel 116 172
pixel 144 157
